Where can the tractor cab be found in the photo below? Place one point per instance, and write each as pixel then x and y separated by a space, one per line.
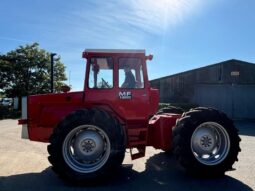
pixel 101 73
pixel 118 79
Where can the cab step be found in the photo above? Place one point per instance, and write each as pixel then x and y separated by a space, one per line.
pixel 137 141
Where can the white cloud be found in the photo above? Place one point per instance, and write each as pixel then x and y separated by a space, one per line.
pixel 158 15
pixel 125 23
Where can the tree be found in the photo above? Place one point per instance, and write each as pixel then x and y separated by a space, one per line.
pixel 26 71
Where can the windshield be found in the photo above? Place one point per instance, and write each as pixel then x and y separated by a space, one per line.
pixel 101 73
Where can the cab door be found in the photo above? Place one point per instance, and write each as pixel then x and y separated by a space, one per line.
pixel 99 84
pixel 133 101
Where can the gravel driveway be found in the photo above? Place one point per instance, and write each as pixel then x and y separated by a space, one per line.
pixel 24 166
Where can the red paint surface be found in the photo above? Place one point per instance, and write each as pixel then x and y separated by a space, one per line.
pixel 46 111
pixel 160 131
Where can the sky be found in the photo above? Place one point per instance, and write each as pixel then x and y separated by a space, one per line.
pixel 181 34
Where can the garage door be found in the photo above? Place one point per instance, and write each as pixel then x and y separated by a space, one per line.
pixel 238 101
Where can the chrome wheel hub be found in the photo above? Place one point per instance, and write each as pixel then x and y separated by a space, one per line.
pixel 88 145
pixel 86 148
pixel 210 143
pixel 206 141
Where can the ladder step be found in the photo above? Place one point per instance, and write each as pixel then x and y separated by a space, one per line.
pixel 137 139
pixel 137 143
pixel 137 155
pixel 134 132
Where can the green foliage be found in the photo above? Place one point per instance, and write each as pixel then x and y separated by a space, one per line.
pixel 1 93
pixel 7 112
pixel 26 71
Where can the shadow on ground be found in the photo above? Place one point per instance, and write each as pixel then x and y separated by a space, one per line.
pixel 246 127
pixel 161 174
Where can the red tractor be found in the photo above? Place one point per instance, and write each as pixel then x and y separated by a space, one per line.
pixel 89 131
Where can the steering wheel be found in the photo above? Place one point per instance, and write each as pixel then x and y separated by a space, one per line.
pixel 104 83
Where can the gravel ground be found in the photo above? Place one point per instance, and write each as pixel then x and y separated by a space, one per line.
pixel 24 166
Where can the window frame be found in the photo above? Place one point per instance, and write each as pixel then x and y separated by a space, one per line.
pixel 141 64
pixel 89 70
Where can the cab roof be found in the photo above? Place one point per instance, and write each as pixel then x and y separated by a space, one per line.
pixel 114 51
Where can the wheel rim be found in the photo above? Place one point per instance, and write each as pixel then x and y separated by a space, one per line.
pixel 86 148
pixel 210 143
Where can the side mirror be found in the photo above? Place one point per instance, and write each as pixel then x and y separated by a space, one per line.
pixel 150 57
pixel 65 88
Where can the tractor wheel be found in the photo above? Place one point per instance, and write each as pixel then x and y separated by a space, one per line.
pixel 87 146
pixel 171 109
pixel 205 142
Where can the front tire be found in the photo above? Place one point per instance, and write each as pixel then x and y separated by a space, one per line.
pixel 206 142
pixel 87 146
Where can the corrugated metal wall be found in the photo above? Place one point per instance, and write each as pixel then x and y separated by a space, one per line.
pixel 237 101
pixel 214 86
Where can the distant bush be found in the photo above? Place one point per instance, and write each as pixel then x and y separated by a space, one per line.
pixel 7 112
pixel 184 106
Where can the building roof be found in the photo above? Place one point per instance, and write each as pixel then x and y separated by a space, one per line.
pixel 211 65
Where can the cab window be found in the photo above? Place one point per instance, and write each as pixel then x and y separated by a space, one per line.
pixel 101 73
pixel 131 73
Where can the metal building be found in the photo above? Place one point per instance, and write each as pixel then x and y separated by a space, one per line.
pixel 228 86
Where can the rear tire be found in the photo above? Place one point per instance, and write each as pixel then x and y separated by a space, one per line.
pixel 87 146
pixel 205 142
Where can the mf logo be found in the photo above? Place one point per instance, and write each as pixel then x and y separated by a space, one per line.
pixel 125 95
